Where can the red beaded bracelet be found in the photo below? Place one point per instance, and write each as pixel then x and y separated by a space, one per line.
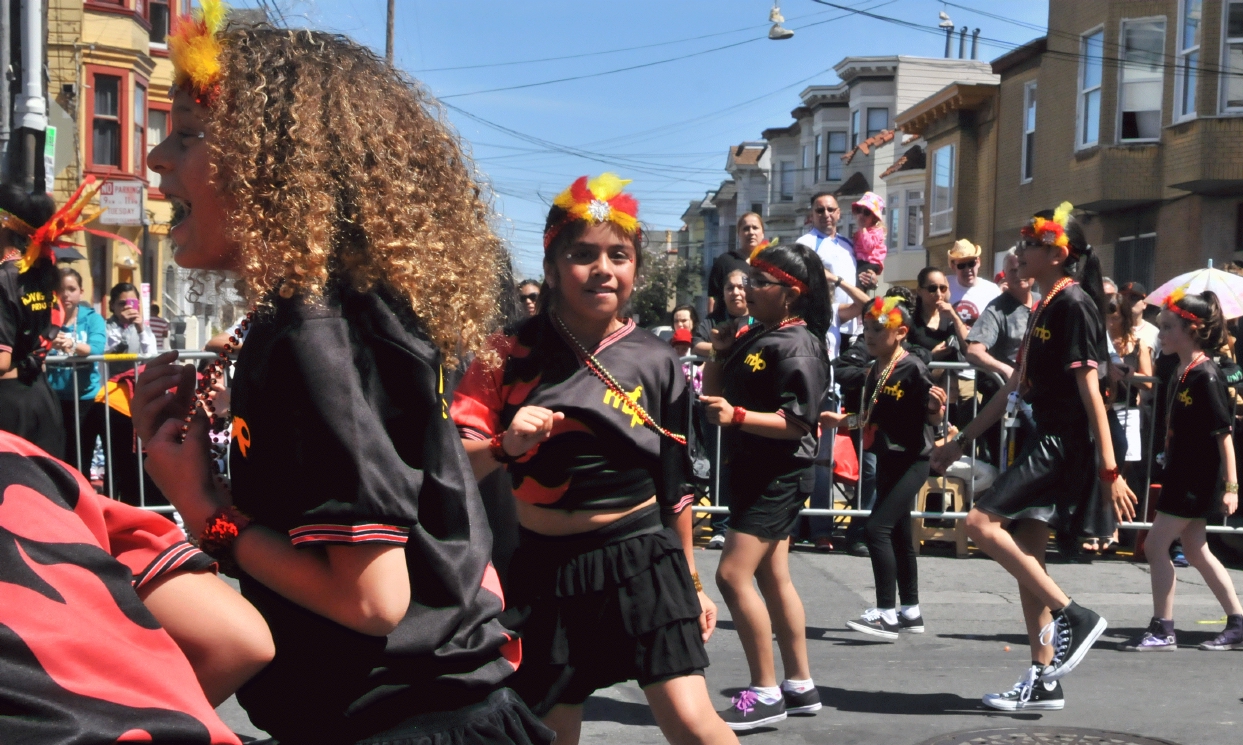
pixel 1109 475
pixel 740 415
pixel 223 528
pixel 496 446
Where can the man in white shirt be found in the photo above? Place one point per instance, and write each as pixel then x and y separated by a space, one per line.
pixel 969 294
pixel 838 256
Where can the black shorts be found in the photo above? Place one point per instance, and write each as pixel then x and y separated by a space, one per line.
pixel 32 411
pixel 500 719
pixel 1054 480
pixel 769 511
pixel 600 608
pixel 1192 502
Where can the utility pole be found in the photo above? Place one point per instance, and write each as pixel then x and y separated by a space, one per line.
pixel 31 108
pixel 6 64
pixel 388 47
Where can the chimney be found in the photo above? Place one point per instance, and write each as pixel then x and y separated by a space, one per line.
pixel 975 43
pixel 962 43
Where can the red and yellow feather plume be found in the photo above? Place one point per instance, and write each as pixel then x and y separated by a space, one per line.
pixel 885 310
pixel 66 220
pixel 596 201
pixel 195 48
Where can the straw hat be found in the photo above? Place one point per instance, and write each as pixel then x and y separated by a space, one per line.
pixel 964 249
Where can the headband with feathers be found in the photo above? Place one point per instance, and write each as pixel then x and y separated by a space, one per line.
pixel 885 310
pixel 1171 304
pixel 599 200
pixel 1051 232
pixel 195 48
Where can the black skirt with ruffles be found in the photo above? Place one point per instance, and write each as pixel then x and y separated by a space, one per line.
pixel 599 608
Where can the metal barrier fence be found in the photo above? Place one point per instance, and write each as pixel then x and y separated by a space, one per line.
pixel 952 373
pixel 106 363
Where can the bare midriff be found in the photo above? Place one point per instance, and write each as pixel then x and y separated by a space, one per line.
pixel 547 521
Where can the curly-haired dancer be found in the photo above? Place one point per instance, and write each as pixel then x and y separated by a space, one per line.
pixel 353 519
pixel 1056 480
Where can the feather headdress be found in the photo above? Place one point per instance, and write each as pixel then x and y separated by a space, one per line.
pixel 195 48
pixel 760 248
pixel 1050 232
pixel 599 200
pixel 885 310
pixel 51 235
pixel 1172 305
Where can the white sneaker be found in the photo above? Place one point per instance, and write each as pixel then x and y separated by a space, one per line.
pixel 717 542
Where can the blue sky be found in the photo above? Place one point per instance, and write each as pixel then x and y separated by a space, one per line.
pixel 666 124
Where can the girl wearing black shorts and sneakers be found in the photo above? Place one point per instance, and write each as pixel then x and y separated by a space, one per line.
pixel 903 406
pixel 1201 476
pixel 1057 478
pixel 585 410
pixel 767 386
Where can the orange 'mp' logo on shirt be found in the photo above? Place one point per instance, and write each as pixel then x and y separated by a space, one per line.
pixel 1042 333
pixel 241 435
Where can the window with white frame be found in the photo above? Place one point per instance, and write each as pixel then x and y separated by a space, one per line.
pixel 1143 73
pixel 878 121
pixel 816 159
pixel 1232 51
pixel 913 239
pixel 854 128
pixel 1029 131
pixel 943 178
pixel 834 167
pixel 893 210
pixel 787 180
pixel 1187 65
pixel 157 130
pixel 1091 65
pixel 806 166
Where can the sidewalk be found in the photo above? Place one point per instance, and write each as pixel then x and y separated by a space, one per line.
pixel 903 693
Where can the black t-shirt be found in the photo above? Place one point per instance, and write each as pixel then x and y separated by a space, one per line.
pixel 1068 334
pixel 786 371
pixel 901 412
pixel 602 455
pixel 851 368
pixel 722 267
pixel 930 337
pixel 342 436
pixel 1199 410
pixel 26 305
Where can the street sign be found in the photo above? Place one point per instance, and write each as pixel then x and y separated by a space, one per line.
pixel 122 203
pixel 49 157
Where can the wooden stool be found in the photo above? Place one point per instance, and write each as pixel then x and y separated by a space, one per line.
pixel 951 493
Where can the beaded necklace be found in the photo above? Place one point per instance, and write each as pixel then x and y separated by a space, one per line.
pixel 1058 286
pixel 214 371
pixel 880 384
pixel 611 383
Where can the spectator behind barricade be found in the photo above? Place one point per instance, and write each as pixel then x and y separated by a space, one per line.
pixel 1135 296
pixel 837 254
pixel 969 294
pixel 681 343
pixel 938 328
pixel 685 317
pixel 734 304
pixel 528 295
pixel 994 341
pixel 870 248
pixel 126 332
pixel 159 328
pixel 81 334
pixel 750 233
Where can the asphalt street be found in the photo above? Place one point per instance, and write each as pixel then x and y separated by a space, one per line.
pixel 903 693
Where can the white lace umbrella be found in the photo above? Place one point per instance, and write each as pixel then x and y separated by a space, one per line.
pixel 1228 288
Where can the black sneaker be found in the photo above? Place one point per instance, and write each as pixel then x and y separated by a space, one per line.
pixel 748 711
pixel 911 625
pixel 1032 692
pixel 874 624
pixel 1231 638
pixel 859 548
pixel 1073 632
pixel 801 703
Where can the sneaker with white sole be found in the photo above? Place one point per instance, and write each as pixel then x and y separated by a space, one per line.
pixel 873 623
pixel 1158 637
pixel 716 542
pixel 747 711
pixel 911 625
pixel 1231 638
pixel 1072 633
pixel 801 703
pixel 1032 692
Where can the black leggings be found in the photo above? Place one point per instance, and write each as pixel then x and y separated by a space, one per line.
pixel 898 481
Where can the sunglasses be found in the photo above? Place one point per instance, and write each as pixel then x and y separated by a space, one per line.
pixel 824 211
pixel 759 283
pixel 531 298
pixel 936 288
pixel 963 266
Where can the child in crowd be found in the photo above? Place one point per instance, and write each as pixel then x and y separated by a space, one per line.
pixel 869 238
pixel 125 331
pixel 765 389
pixel 1201 476
pixel 902 407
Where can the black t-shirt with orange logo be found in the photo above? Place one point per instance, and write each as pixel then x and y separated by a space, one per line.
pixel 1069 334
pixel 1199 411
pixel 343 437
pixel 901 411
pixel 602 455
pixel 29 311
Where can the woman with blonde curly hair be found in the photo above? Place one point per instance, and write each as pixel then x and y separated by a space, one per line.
pixel 353 520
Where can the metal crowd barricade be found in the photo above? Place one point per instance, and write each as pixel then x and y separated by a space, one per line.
pixel 953 370
pixel 104 363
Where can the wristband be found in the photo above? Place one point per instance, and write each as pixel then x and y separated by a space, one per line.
pixel 699 586
pixel 496 447
pixel 222 530
pixel 1232 487
pixel 740 415
pixel 1109 475
pixel 961 438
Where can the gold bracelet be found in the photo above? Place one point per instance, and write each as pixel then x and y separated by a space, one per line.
pixel 699 586
pixel 1232 487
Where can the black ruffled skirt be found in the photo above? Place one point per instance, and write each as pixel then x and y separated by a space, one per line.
pixel 600 608
pixel 500 719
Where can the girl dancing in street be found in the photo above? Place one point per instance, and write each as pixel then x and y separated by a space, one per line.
pixel 766 388
pixel 1201 476
pixel 585 410
pixel 1056 480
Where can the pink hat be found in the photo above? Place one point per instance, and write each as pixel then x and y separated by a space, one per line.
pixel 872 202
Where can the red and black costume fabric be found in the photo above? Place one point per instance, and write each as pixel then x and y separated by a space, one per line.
pixel 1199 412
pixel 341 435
pixel 82 660
pixel 627 583
pixel 783 370
pixel 1054 479
pixel 30 316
